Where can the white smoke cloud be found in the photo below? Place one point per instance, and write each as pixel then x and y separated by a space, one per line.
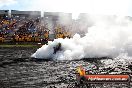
pixel 7 2
pixel 110 36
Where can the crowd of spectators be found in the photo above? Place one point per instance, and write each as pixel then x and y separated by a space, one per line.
pixel 24 28
pixel 16 29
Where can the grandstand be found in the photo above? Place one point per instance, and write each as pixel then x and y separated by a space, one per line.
pixel 29 26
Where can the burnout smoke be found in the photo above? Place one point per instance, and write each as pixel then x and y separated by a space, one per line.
pixel 109 36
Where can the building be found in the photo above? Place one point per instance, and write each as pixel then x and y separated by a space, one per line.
pixel 23 14
pixel 4 13
pixel 82 23
pixel 53 19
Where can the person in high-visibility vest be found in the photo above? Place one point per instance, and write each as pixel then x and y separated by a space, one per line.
pixel 81 71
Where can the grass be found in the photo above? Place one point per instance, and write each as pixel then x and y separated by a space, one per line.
pixel 19 45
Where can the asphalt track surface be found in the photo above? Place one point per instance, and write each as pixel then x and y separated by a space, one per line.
pixel 18 70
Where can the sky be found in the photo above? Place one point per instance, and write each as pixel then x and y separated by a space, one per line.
pixel 107 7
